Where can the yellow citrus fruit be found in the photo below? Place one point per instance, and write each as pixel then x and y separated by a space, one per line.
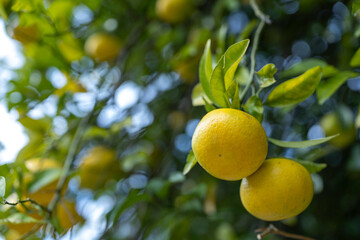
pixel 102 47
pixel 229 144
pixel 67 214
pixel 43 195
pixel 12 235
pixel 280 189
pixel 331 125
pixel 97 167
pixel 174 11
pixel 26 34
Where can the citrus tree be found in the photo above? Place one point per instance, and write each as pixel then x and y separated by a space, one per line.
pixel 121 99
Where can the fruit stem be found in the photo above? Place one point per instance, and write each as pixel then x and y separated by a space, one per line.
pixel 271 229
pixel 264 19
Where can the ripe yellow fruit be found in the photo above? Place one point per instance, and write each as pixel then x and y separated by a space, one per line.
pixel 280 189
pixel 12 235
pixel 97 167
pixel 229 144
pixel 67 214
pixel 174 11
pixel 331 125
pixel 26 34
pixel 103 47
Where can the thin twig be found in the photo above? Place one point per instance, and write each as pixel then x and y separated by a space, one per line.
pixel 252 58
pixel 68 161
pixel 273 230
pixel 263 19
pixel 25 201
pixel 259 13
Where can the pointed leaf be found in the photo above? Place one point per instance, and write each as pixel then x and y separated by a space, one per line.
pixel 205 69
pixel 235 103
pixel 311 166
pixel 254 107
pixel 302 66
pixel 295 90
pixel 198 95
pixel 2 187
pixel 217 85
pixel 190 162
pixel 18 218
pixel 301 144
pixel 233 57
pixel 209 107
pixel 266 75
pixel 355 60
pixel 328 87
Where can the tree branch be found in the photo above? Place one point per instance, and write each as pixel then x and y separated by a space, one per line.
pixel 68 161
pixel 263 19
pixel 273 230
pixel 25 201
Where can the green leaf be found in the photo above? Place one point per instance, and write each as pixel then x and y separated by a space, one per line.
pixel 355 60
pixel 232 93
pixel 198 95
pixel 134 197
pixel 302 66
pixel 328 87
pixel 3 12
pixel 235 102
pixel 217 85
pixel 208 106
pixel 266 75
pixel 249 29
pixel 18 218
pixel 329 71
pixel 254 107
pixel 43 178
pixel 356 8
pixel 311 166
pixel 190 162
pixel 205 69
pixel 295 90
pixel 2 187
pixel 233 57
pixel 224 72
pixel 301 144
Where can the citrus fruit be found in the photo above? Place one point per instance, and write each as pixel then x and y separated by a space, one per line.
pixel 67 214
pixel 102 47
pixel 279 189
pixel 97 167
pixel 331 125
pixel 173 11
pixel 229 144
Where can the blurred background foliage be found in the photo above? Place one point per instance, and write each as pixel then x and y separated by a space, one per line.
pixel 106 86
